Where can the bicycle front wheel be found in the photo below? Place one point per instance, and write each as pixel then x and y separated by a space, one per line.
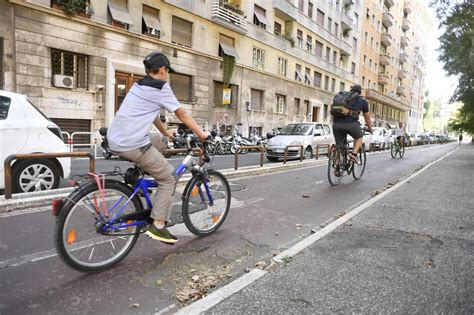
pixel 358 169
pixel 402 151
pixel 79 237
pixel 393 150
pixel 206 203
pixel 334 168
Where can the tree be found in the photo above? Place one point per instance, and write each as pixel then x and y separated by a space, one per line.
pixel 457 55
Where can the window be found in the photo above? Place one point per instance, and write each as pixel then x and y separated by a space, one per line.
pixel 333 85
pixel 118 15
pixel 319 49
pixel 329 24
pixel 182 32
pixel 367 14
pixel 334 57
pixel 320 17
pixel 4 107
pixel 282 65
pixel 365 60
pixel 297 106
pixel 70 64
pixel 366 37
pixel 373 19
pixel 342 86
pixel 227 46
pixel 372 42
pixel 363 81
pixel 336 30
pixel 370 64
pixel 307 76
pixel 259 58
pixel 317 79
pixel 309 43
pixel 328 53
pixel 277 29
pixel 326 83
pixel 299 36
pixel 182 86
pixel 325 113
pixel 354 43
pixel 353 68
pixel 298 75
pixel 356 19
pixel 218 97
pixel 256 99
pixel 310 10
pixel 301 5
pixel 259 18
pixel 280 104
pixel 151 22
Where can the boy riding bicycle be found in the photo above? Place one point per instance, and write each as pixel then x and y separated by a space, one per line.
pixel 129 137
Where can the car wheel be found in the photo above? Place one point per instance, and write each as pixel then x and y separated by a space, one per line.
pixel 272 158
pixel 35 175
pixel 308 153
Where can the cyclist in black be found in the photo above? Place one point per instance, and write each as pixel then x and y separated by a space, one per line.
pixel 342 126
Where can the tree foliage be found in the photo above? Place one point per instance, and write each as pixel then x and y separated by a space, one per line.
pixel 457 54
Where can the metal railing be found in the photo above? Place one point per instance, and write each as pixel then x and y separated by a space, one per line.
pixel 220 12
pixel 9 159
pixel 261 148
pixel 285 155
pixel 93 143
pixel 328 146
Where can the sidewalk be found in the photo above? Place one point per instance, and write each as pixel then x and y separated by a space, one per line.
pixel 410 252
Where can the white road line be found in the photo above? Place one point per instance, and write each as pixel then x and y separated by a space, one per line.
pixel 217 296
pixel 167 309
pixel 14 262
pixel 15 213
pixel 292 251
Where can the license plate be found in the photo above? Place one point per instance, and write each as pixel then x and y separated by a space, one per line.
pixel 279 150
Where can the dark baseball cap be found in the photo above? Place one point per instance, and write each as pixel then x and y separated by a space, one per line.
pixel 156 60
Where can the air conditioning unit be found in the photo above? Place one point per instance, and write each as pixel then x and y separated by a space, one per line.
pixel 63 81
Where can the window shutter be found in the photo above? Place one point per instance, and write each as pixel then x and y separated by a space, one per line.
pixel 182 32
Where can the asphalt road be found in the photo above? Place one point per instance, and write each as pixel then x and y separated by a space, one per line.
pixel 269 214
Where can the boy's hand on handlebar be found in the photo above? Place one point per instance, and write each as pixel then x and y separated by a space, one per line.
pixel 171 133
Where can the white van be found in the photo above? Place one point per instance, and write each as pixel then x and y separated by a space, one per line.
pixel 25 129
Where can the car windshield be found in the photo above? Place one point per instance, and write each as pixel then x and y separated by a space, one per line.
pixel 297 130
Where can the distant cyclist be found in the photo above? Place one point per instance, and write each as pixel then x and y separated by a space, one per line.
pixel 400 132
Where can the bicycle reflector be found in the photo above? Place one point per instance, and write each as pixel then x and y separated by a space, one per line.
pixel 56 205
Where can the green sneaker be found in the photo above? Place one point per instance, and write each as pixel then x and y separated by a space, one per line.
pixel 162 235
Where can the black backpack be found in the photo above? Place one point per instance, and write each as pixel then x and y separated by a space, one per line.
pixel 342 104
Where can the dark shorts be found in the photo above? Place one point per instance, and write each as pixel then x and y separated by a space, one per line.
pixel 341 130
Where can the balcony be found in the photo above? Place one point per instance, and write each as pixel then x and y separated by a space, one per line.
pixel 386 39
pixel 401 90
pixel 285 10
pixel 384 60
pixel 228 18
pixel 404 41
pixel 402 74
pixel 383 79
pixel 403 57
pixel 346 22
pixel 346 48
pixel 405 25
pixel 407 7
pixel 347 3
pixel 388 3
pixel 387 19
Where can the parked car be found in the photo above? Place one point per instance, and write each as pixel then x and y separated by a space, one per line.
pixel 25 129
pixel 310 135
pixel 366 143
pixel 381 138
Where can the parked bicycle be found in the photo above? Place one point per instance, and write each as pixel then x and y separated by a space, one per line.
pixel 98 224
pixel 340 164
pixel 396 148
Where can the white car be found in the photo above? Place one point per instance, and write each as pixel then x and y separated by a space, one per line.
pixel 25 129
pixel 381 138
pixel 309 135
pixel 366 143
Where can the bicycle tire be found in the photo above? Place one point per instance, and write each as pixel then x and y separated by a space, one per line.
pixel 393 150
pixel 402 151
pixel 189 198
pixel 362 159
pixel 332 168
pixel 69 207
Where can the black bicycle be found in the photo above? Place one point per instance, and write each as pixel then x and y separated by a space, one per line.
pixel 340 165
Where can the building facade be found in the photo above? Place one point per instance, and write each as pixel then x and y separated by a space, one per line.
pixel 258 63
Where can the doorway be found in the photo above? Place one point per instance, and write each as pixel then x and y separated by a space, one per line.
pixel 123 83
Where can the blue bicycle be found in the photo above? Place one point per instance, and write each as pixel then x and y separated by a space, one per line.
pixel 98 224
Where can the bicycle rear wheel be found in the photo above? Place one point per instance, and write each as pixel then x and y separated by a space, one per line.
pixel 402 151
pixel 206 208
pixel 77 232
pixel 334 169
pixel 358 169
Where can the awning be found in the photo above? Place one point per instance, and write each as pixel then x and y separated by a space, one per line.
pixel 298 74
pixel 119 14
pixel 229 50
pixel 308 77
pixel 152 21
pixel 261 18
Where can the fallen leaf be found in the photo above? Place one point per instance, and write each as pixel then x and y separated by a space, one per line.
pixel 159 282
pixel 306 196
pixel 136 305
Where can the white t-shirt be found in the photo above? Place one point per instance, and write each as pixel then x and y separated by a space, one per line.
pixel 400 132
pixel 130 127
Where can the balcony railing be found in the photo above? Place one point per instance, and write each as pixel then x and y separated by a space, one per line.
pixel 228 18
pixel 346 48
pixel 407 7
pixel 386 39
pixel 406 24
pixel 388 3
pixel 346 21
pixel 285 10
pixel 404 41
pixel 401 90
pixel 383 79
pixel 384 60
pixel 402 74
pixel 387 19
pixel 403 57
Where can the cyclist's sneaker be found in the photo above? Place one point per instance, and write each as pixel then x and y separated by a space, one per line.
pixel 354 158
pixel 162 235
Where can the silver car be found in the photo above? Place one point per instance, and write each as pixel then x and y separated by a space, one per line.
pixel 309 135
